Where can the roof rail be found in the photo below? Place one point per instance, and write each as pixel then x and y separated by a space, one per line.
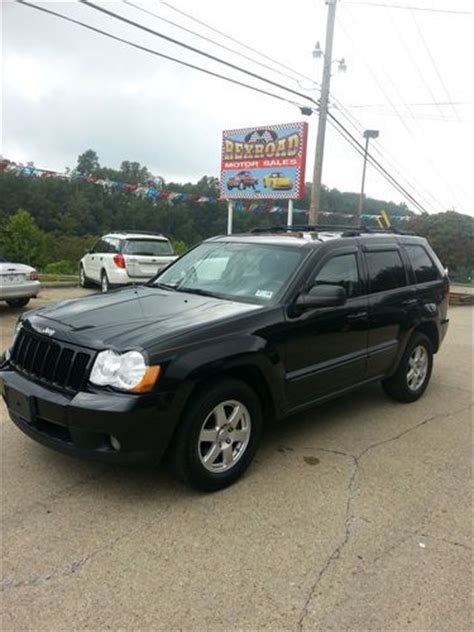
pixel 392 230
pixel 135 232
pixel 302 228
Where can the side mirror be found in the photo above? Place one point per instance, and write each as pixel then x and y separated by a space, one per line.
pixel 321 296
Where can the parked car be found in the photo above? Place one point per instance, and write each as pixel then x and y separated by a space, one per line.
pixel 118 259
pixel 242 180
pixel 277 182
pixel 238 331
pixel 18 283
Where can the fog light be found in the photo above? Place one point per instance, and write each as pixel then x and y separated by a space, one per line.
pixel 115 443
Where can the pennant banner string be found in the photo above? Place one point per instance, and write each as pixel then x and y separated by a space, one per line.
pixel 153 192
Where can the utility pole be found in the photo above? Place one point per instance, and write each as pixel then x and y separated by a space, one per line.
pixel 368 134
pixel 323 111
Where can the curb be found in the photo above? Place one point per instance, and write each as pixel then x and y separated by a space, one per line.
pixel 53 284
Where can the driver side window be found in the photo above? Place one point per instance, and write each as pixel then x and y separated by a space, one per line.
pixel 340 270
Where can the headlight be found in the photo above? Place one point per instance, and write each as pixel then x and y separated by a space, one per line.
pixel 18 326
pixel 126 371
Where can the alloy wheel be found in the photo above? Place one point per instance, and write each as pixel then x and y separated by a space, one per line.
pixel 417 368
pixel 224 436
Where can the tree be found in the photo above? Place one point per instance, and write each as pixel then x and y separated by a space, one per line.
pixel 452 236
pixel 134 173
pixel 22 241
pixel 88 163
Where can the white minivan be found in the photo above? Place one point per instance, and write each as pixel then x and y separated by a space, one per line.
pixel 123 258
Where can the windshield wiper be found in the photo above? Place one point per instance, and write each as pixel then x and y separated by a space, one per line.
pixel 165 286
pixel 197 290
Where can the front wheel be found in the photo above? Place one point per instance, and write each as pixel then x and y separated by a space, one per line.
pixel 18 302
pixel 414 372
pixel 218 436
pixel 83 280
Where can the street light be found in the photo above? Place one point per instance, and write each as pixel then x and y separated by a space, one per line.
pixel 368 134
pixel 318 54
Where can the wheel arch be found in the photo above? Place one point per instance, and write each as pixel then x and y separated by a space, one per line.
pixel 430 330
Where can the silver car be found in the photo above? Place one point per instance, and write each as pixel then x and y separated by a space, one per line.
pixel 18 283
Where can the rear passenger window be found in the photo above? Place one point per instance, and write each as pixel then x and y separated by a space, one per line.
pixel 423 267
pixel 111 244
pixel 341 270
pixel 386 270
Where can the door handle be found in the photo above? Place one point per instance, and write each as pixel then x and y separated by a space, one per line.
pixel 357 316
pixel 410 301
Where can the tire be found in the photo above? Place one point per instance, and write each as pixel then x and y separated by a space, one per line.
pixel 18 302
pixel 227 457
pixel 104 282
pixel 83 280
pixel 414 372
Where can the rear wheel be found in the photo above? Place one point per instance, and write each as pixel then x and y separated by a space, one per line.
pixel 104 282
pixel 218 436
pixel 18 302
pixel 413 375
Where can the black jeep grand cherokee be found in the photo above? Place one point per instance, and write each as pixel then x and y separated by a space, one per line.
pixel 239 329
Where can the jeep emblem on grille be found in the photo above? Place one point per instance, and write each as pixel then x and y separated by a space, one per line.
pixel 47 331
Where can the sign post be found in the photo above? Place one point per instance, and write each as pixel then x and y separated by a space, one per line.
pixel 263 163
pixel 230 216
pixel 290 213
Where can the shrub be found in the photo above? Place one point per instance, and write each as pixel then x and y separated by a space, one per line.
pixel 60 267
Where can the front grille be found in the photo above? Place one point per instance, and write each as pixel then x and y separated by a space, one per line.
pixel 49 361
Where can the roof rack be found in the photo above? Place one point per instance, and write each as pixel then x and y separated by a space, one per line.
pixel 347 231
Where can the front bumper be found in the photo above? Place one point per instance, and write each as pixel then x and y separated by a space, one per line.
pixel 82 425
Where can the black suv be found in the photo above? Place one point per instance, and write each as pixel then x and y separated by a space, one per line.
pixel 240 329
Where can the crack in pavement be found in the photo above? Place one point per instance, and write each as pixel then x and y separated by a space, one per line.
pixel 422 534
pixel 445 540
pixel 9 583
pixel 351 492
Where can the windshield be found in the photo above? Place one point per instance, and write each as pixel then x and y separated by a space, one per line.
pixel 238 271
pixel 150 247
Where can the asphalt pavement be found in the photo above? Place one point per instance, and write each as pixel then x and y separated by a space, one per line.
pixel 354 516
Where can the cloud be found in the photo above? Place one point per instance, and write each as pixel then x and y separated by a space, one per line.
pixel 66 89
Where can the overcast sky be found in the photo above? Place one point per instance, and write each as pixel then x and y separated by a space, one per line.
pixel 66 89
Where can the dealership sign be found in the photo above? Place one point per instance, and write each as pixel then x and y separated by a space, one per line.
pixel 264 162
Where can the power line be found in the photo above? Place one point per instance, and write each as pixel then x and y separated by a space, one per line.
pixel 156 53
pixel 390 101
pixel 426 104
pixel 410 8
pixel 419 117
pixel 433 62
pixel 376 163
pixel 349 136
pixel 375 78
pixel 413 60
pixel 208 39
pixel 167 38
pixel 232 39
pixel 383 152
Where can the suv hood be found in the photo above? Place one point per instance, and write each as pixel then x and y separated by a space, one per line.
pixel 133 317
